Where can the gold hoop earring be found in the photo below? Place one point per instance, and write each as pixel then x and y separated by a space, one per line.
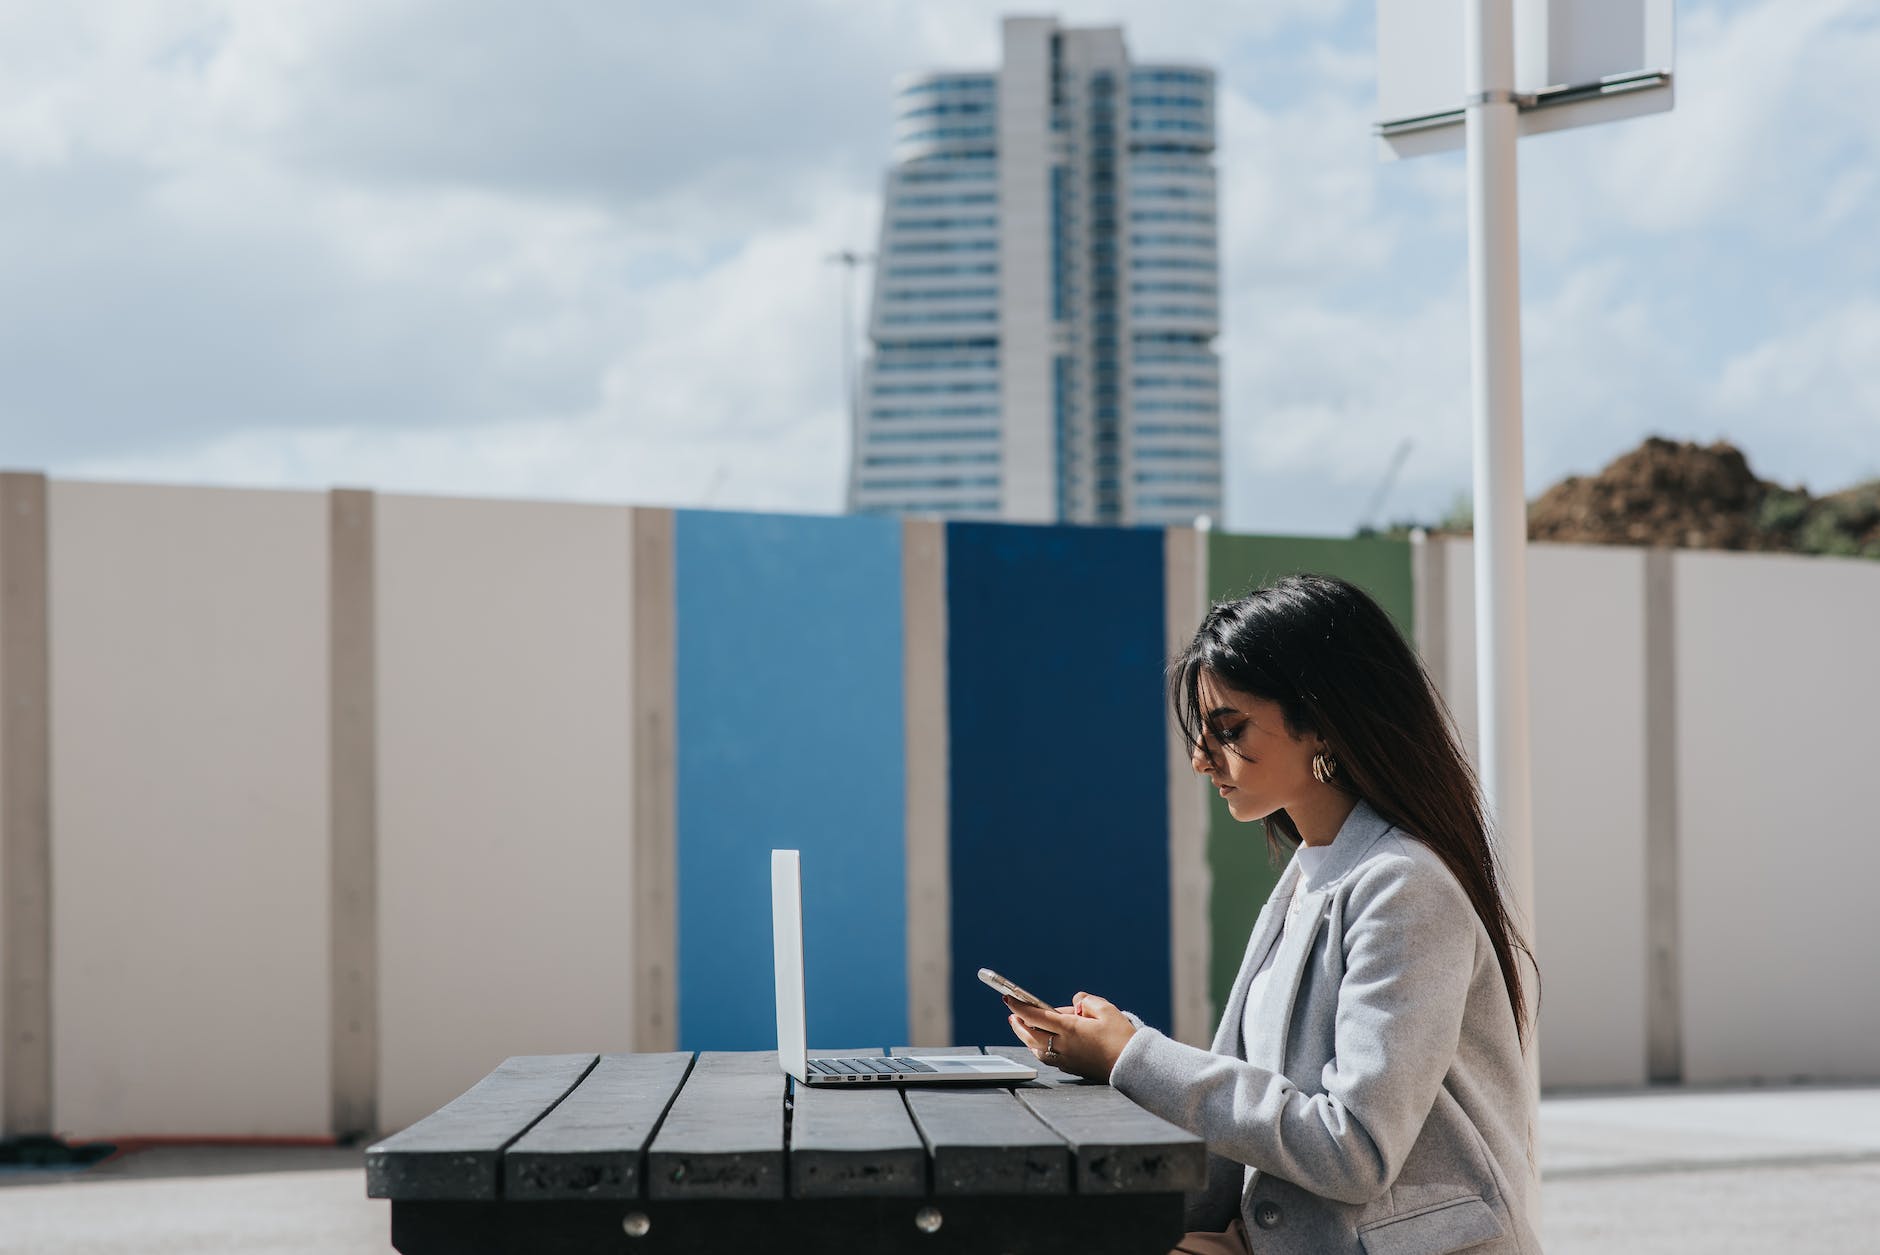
pixel 1324 767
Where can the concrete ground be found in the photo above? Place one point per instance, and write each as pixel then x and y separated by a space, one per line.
pixel 1788 1169
pixel 1795 1170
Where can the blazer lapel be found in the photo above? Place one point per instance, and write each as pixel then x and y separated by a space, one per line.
pixel 1274 1015
pixel 1273 1020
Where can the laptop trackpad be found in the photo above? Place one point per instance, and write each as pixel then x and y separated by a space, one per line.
pixel 967 1063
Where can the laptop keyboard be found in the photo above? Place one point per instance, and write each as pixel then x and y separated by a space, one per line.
pixel 878 1065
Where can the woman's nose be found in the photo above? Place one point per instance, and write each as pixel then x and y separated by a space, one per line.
pixel 1198 757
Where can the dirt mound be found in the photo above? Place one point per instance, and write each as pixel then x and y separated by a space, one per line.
pixel 1662 493
pixel 1679 495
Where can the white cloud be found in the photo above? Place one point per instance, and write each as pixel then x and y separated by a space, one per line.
pixel 721 387
pixel 425 245
pixel 1770 140
pixel 1812 395
pixel 1700 274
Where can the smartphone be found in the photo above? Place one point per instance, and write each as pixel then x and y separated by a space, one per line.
pixel 1005 986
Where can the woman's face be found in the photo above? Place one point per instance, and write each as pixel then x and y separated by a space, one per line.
pixel 1258 766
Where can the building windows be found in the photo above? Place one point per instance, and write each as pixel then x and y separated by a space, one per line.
pixel 957 435
pixel 945 246
pixel 942 271
pixel 1151 240
pixel 1177 429
pixel 1174 191
pixel 1154 454
pixel 1175 477
pixel 941 316
pixel 1167 286
pixel 932 459
pixel 1195 103
pixel 895 295
pixel 1193 167
pixel 940 481
pixel 1128 236
pixel 974 344
pixel 981 223
pixel 1172 263
pixel 924 174
pixel 914 389
pixel 1172 77
pixel 948 108
pixel 931 199
pixel 892 413
pixel 1198 313
pixel 957 83
pixel 947 132
pixel 1196 217
pixel 936 363
pixel 1195 503
pixel 1193 382
pixel 982 505
pixel 1191 125
pixel 1174 407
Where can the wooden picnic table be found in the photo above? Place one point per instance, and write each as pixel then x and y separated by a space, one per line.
pixel 719 1151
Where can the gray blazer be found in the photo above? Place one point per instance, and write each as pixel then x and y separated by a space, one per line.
pixel 1384 1101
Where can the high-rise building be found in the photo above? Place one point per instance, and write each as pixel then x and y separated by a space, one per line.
pixel 1046 292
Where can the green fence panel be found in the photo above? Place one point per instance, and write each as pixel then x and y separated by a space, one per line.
pixel 1243 875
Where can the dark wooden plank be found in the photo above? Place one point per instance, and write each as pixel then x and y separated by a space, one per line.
pixel 593 1143
pixel 455 1152
pixel 1117 1147
pixel 723 1136
pixel 1117 1224
pixel 984 1141
pixel 854 1142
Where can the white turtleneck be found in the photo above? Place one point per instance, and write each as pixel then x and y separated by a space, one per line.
pixel 1311 860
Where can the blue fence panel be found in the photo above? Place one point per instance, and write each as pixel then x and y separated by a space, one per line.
pixel 790 735
pixel 1059 818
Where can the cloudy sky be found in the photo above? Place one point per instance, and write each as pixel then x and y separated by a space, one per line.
pixel 577 250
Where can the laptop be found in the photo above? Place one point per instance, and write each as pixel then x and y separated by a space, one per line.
pixel 786 924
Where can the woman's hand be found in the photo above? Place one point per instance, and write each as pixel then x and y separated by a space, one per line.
pixel 1089 1034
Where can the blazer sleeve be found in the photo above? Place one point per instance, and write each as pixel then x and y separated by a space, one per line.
pixel 1410 956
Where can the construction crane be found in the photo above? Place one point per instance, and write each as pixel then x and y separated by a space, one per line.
pixel 1368 521
pixel 850 261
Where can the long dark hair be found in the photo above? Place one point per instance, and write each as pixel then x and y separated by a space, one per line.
pixel 1336 666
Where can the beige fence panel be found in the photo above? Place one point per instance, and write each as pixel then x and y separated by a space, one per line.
pixel 1779 848
pixel 1586 619
pixel 189 801
pixel 505 789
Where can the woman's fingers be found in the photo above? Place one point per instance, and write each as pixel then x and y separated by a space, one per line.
pixel 1031 1039
pixel 1036 1017
pixel 1041 1038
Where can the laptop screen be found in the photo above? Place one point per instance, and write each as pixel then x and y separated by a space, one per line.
pixel 786 929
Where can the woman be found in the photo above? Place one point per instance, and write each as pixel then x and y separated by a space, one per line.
pixel 1366 1090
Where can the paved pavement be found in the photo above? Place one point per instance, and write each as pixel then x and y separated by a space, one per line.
pixel 1788 1169
pixel 1794 1170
